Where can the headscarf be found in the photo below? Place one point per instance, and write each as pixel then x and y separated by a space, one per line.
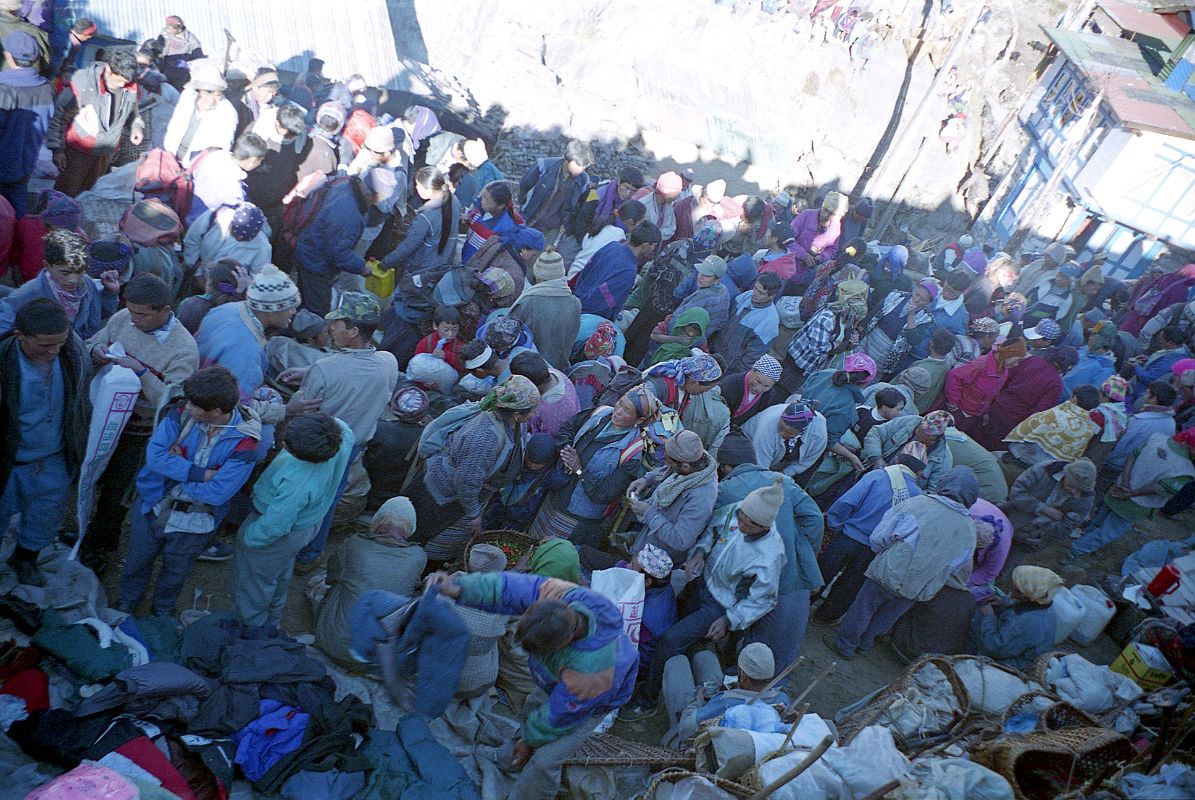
pixel 1182 366
pixel 1115 388
pixel 1010 350
pixel 655 561
pixel 673 350
pixel 931 286
pixel 502 334
pixel 601 341
pixel 1038 584
pixel 647 405
pixel 703 369
pixel 424 126
pixel 768 367
pixel 960 484
pixel 516 393
pixel 498 282
pixel 895 259
pixel 397 512
pixel 860 362
pixel 1094 275
pixel 556 558
pixel 935 423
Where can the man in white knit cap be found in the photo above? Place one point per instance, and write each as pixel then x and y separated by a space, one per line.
pixel 740 548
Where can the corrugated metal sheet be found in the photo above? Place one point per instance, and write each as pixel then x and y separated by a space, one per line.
pixel 350 35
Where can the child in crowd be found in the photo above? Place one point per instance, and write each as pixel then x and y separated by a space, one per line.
pixel 443 342
pixel 516 505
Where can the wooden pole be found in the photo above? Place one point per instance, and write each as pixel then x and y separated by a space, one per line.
pixel 792 774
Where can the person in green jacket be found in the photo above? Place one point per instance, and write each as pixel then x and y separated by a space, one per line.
pixel 290 500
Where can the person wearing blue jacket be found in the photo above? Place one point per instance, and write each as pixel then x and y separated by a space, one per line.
pixel 26 107
pixel 800 525
pixel 949 312
pixel 1096 361
pixel 553 189
pixel 199 456
pixel 606 281
pixel 64 280
pixel 326 245
pixel 579 656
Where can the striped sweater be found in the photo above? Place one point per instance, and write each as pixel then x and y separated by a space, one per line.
pixel 590 677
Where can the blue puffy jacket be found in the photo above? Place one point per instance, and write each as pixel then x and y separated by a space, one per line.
pixel 26 106
pixel 325 245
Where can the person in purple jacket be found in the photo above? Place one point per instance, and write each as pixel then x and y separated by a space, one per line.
pixel 579 656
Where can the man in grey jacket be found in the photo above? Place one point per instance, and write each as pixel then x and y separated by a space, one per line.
pixel 675 502
pixel 921 544
pixel 1051 495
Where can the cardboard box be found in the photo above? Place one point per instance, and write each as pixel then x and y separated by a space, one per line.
pixel 1144 665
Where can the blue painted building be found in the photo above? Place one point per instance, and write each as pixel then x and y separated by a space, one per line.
pixel 1129 191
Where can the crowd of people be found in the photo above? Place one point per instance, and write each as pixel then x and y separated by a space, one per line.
pixel 770 418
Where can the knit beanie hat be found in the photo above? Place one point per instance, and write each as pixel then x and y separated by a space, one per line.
pixel 272 291
pixel 334 110
pixel 247 222
pixel 762 505
pixel 549 266
pixel 486 558
pixel 1081 473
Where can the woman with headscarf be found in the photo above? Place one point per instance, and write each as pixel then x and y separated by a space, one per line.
pixel 888 275
pixel 1034 384
pixel 984 332
pixel 971 388
pixel 485 452
pixel 687 386
pixel 381 558
pixel 601 452
pixel 748 393
pixel 829 333
pixel 686 332
pixel 1151 296
pixel 898 325
pixel 838 393
pixel 1019 632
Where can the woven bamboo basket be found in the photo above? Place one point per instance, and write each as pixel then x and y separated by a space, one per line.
pixel 674 774
pixel 1060 714
pixel 850 727
pixel 608 750
pixel 517 542
pixel 1073 754
pixel 1037 670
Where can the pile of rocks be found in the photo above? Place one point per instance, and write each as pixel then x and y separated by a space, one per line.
pixel 517 148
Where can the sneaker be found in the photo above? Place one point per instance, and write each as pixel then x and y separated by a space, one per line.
pixel 830 640
pixel 817 622
pixel 219 551
pixel 27 572
pixel 636 713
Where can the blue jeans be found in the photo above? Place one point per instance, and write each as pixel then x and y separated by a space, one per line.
pixel 1105 528
pixel 315 548
pixel 851 558
pixel 147 541
pixel 783 628
pixel 873 613
pixel 680 637
pixel 37 492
